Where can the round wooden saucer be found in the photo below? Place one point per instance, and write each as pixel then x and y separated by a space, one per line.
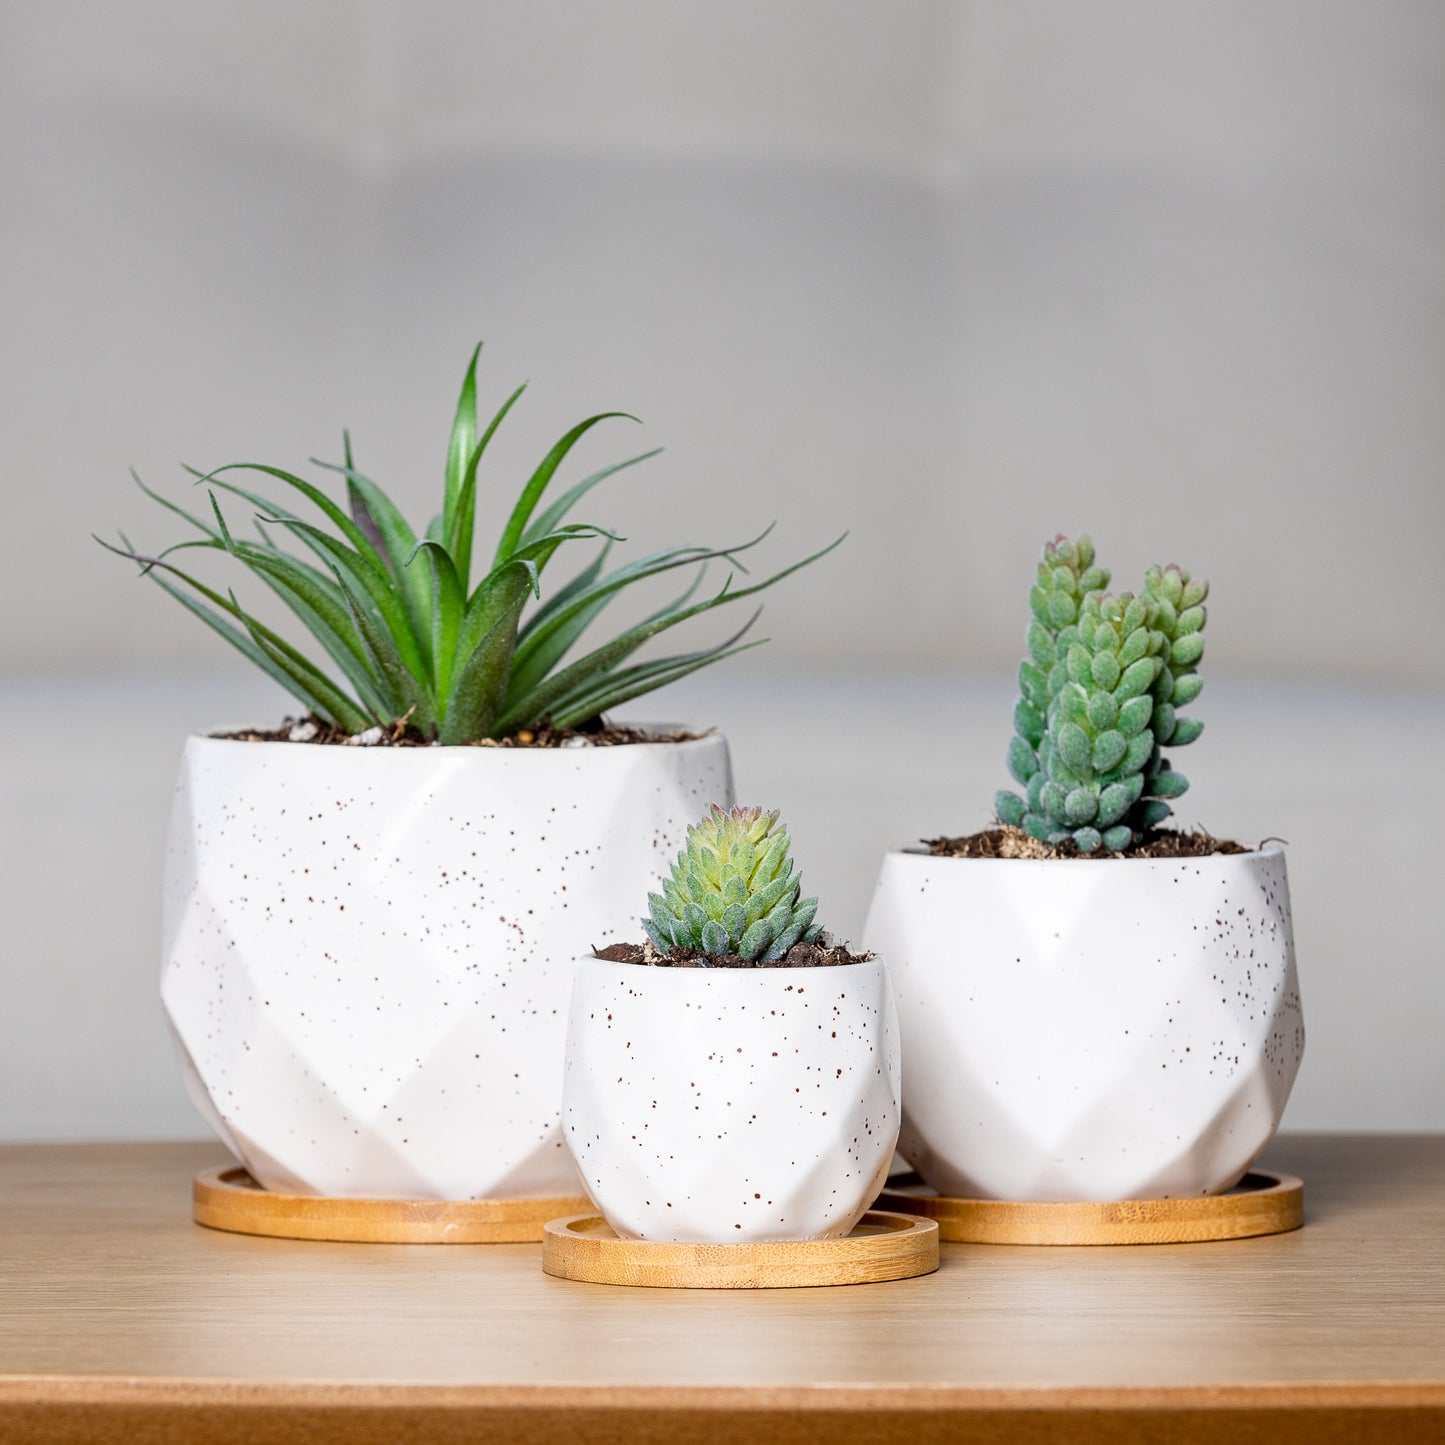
pixel 881 1247
pixel 1261 1203
pixel 230 1199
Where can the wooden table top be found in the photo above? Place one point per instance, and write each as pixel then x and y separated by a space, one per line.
pixel 120 1318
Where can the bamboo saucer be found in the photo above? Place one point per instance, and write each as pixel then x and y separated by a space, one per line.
pixel 881 1247
pixel 1262 1202
pixel 228 1198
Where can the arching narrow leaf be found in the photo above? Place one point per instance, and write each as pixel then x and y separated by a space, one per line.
pixel 456 531
pixel 552 517
pixel 313 494
pixel 537 484
pixel 395 542
pixel 612 689
pixel 611 653
pixel 372 581
pixel 550 619
pixel 462 442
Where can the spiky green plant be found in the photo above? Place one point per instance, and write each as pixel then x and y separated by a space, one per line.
pixel 1101 691
pixel 733 890
pixel 408 633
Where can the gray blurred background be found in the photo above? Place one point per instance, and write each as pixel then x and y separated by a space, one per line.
pixel 955 276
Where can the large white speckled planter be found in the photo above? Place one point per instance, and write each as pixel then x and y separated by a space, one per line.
pixel 731 1105
pixel 367 951
pixel 1090 1030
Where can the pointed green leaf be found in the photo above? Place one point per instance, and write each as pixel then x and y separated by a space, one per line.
pixel 557 614
pixel 306 676
pixel 170 506
pixel 755 939
pixel 601 660
pixel 622 687
pixel 461 444
pixel 537 484
pixel 394 541
pixel 319 604
pixel 313 494
pixel 552 517
pixel 446 613
pixel 734 920
pixel 602 686
pixel 243 644
pixel 399 681
pixel 564 594
pixel 360 512
pixel 281 661
pixel 457 533
pixel 372 581
pixel 658 938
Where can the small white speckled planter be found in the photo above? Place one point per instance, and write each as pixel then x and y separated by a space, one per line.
pixel 731 1105
pixel 1090 1030
pixel 367 951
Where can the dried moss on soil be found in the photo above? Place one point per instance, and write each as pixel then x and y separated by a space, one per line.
pixel 399 735
pixel 1006 842
pixel 824 954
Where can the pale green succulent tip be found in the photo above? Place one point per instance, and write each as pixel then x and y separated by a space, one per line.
pixel 733 890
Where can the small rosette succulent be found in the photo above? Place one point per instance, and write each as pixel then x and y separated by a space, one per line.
pixel 1101 689
pixel 733 891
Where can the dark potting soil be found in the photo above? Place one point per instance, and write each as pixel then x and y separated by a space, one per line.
pixel 311 730
pixel 1007 842
pixel 823 954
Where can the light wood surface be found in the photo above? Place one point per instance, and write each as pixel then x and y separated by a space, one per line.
pixel 882 1247
pixel 121 1319
pixel 1262 1204
pixel 228 1198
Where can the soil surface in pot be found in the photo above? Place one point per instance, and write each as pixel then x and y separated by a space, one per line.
pixel 822 954
pixel 1006 842
pixel 312 730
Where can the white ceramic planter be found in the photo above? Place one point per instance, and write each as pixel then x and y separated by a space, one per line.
pixel 367 951
pixel 731 1105
pixel 1090 1030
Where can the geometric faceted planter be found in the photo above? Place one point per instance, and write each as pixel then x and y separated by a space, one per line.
pixel 368 951
pixel 731 1105
pixel 1090 1029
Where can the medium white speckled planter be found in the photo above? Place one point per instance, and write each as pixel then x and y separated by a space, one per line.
pixel 367 951
pixel 1090 1030
pixel 731 1105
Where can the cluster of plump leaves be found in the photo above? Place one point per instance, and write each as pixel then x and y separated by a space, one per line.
pixel 1101 691
pixel 408 633
pixel 733 891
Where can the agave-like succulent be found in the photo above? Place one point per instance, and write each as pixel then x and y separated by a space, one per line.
pixel 410 635
pixel 1101 689
pixel 733 890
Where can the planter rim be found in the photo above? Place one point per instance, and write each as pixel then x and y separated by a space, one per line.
pixel 711 737
pixel 652 970
pixel 912 851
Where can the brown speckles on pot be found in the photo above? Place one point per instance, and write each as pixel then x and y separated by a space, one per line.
pixel 368 951
pixel 716 1090
pixel 1093 1029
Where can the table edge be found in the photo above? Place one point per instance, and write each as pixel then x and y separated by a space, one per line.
pixel 171 1393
